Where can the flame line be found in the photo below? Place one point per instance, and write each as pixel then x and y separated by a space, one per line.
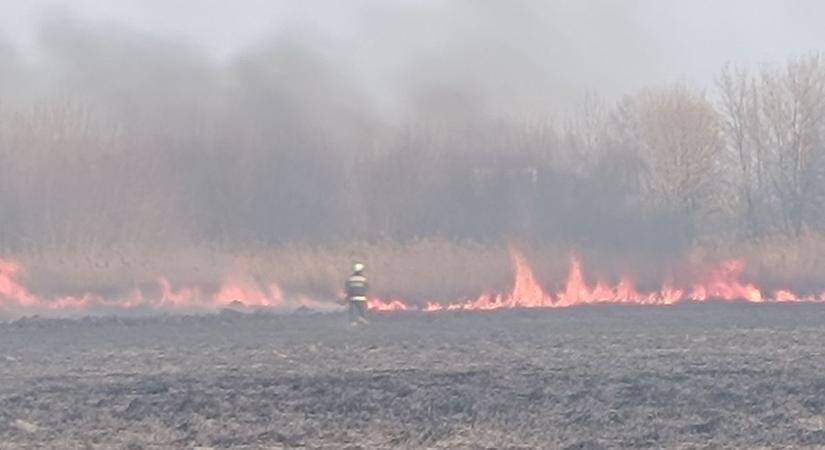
pixel 721 283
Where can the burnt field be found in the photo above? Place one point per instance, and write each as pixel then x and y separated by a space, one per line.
pixel 691 376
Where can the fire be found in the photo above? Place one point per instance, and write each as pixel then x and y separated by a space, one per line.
pixel 10 288
pixel 249 293
pixel 784 295
pixel 15 297
pixel 387 305
pixel 723 282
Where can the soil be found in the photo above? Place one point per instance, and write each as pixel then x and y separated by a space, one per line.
pixel 599 377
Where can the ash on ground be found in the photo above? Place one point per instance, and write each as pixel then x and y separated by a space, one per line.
pixel 692 376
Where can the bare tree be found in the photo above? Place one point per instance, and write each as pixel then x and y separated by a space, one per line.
pixel 677 134
pixel 733 104
pixel 791 117
pixel 586 134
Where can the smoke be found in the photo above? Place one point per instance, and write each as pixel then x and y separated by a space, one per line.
pixel 463 121
pixel 12 71
pixel 517 58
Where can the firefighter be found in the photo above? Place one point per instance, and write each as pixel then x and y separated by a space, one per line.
pixel 356 289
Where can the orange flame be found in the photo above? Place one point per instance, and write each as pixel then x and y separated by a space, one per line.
pixel 249 294
pixel 10 288
pixel 387 305
pixel 722 283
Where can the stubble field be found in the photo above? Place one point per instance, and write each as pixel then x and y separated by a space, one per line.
pixel 691 376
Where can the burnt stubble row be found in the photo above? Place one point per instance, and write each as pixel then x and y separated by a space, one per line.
pixel 690 376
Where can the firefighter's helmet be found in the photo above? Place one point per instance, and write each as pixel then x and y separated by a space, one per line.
pixel 357 267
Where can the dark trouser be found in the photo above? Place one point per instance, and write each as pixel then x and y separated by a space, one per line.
pixel 357 310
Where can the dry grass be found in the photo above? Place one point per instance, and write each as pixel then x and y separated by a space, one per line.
pixel 781 260
pixel 418 270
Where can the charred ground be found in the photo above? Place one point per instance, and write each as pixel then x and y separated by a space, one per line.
pixel 691 376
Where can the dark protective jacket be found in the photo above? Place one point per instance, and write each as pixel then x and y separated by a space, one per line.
pixel 356 288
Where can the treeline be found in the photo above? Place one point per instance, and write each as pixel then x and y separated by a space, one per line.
pixel 295 160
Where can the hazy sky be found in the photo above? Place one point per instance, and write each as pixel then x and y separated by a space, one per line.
pixel 611 47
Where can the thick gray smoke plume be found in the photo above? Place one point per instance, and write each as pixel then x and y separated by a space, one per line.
pixel 465 121
pixel 300 135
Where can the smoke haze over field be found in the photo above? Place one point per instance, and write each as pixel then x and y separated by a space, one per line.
pixel 133 129
pixel 555 51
